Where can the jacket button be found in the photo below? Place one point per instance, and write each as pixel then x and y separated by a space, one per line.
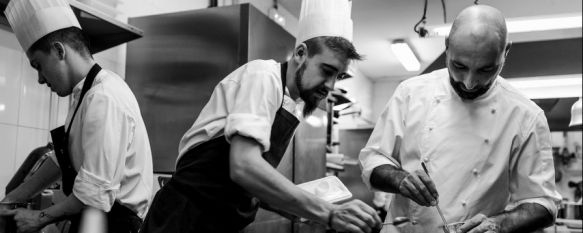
pixel 475 171
pixel 493 111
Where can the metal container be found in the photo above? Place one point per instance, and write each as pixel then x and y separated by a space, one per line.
pixel 10 225
pixel 573 210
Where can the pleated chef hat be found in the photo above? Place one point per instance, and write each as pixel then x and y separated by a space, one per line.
pixel 33 19
pixel 324 18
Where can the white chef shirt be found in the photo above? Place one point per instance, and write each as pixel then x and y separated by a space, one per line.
pixel 244 103
pixel 483 155
pixel 109 146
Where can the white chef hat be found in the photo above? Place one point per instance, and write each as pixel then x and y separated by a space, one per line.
pixel 325 18
pixel 33 19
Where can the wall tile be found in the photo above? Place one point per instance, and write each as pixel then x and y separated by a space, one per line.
pixel 7 155
pixel 34 100
pixel 10 81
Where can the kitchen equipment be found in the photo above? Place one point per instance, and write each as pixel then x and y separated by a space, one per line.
pixel 445 229
pixel 329 188
pixel 9 224
pixel 397 221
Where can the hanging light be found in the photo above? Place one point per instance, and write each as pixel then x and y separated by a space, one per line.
pixel 405 55
pixel 576 113
pixel 525 24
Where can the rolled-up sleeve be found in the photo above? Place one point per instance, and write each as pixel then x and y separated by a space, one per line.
pixel 533 176
pixel 379 148
pixel 106 131
pixel 258 95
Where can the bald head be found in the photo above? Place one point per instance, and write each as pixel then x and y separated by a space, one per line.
pixel 479 23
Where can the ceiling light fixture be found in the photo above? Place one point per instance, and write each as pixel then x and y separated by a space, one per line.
pixel 275 15
pixel 576 113
pixel 549 87
pixel 525 24
pixel 405 55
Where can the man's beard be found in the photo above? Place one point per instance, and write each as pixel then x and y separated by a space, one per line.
pixel 310 104
pixel 458 87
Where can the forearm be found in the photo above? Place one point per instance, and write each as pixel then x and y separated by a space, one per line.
pixel 69 207
pixel 527 217
pixel 253 173
pixel 48 173
pixel 387 178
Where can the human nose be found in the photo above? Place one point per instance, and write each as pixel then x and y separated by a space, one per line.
pixel 470 82
pixel 41 79
pixel 329 84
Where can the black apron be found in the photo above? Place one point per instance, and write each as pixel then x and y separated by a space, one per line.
pixel 120 219
pixel 201 197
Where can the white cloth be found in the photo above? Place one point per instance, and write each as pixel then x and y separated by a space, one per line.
pixel 244 103
pixel 32 19
pixel 109 147
pixel 483 155
pixel 324 18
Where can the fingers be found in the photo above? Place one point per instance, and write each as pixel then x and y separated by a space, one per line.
pixel 430 185
pixel 372 218
pixel 424 193
pixel 355 216
pixel 413 188
pixel 473 223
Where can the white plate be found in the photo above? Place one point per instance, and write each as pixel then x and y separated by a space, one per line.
pixel 329 188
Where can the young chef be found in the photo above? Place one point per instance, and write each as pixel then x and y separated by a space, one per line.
pixel 486 146
pixel 227 159
pixel 102 153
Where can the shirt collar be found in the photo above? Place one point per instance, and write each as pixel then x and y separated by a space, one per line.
pixel 78 87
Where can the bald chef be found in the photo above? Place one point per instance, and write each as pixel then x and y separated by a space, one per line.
pixel 103 151
pixel 486 146
pixel 227 160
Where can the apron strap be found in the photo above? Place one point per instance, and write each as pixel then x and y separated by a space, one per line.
pixel 86 86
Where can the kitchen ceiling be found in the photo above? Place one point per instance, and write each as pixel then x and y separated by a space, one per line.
pixel 377 22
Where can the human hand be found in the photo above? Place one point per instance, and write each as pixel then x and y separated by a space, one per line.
pixel 27 221
pixel 355 217
pixel 418 187
pixel 480 224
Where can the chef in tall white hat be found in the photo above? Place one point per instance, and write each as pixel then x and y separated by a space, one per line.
pixel 227 159
pixel 102 153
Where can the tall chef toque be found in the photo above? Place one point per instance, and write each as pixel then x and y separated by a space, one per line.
pixel 33 19
pixel 324 18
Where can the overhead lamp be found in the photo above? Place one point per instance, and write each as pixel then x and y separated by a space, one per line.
pixel 549 87
pixel 405 55
pixel 275 15
pixel 576 113
pixel 525 24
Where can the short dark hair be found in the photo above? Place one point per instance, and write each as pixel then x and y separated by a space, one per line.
pixel 337 44
pixel 72 36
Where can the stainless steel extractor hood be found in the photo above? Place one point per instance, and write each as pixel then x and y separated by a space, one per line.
pixel 104 31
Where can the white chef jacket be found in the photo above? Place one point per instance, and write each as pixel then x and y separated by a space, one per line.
pixel 244 103
pixel 109 146
pixel 483 155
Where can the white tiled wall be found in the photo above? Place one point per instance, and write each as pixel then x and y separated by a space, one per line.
pixel 25 108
